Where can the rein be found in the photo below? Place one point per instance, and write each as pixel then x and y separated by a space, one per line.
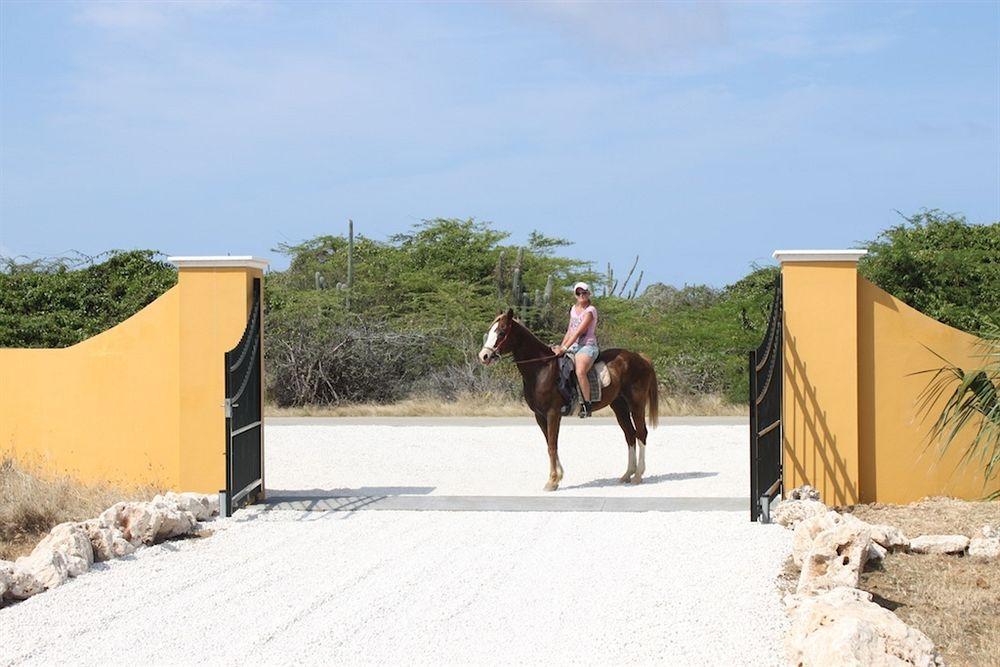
pixel 503 339
pixel 528 361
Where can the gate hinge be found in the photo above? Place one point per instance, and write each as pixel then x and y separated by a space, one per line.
pixel 227 405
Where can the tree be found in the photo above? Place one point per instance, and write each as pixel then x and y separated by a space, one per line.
pixel 942 265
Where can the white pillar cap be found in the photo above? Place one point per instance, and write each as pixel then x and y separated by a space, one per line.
pixel 218 262
pixel 849 255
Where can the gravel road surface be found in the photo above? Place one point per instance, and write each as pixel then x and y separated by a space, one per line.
pixel 406 587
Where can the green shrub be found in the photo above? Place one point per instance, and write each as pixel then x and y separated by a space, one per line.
pixel 60 302
pixel 941 265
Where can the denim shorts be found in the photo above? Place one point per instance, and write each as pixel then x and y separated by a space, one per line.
pixel 589 350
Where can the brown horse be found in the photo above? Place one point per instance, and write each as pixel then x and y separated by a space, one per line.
pixel 632 388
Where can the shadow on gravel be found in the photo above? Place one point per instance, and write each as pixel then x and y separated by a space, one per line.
pixel 648 479
pixel 362 491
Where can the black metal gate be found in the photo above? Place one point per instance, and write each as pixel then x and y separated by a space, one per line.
pixel 244 431
pixel 765 415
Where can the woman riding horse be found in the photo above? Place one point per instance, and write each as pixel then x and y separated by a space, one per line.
pixel 632 389
pixel 581 336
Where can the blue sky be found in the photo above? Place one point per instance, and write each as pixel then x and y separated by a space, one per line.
pixel 700 136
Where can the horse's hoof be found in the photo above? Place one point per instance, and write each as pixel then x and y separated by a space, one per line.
pixel 637 479
pixel 625 479
pixel 552 486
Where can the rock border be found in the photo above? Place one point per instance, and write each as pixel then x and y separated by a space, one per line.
pixel 71 548
pixel 833 621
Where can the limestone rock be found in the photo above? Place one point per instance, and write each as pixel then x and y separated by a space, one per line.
pixel 42 570
pixel 989 531
pixel 72 541
pixel 173 522
pixel 6 578
pixel 889 537
pixel 807 530
pixel 844 627
pixel 114 516
pixel 149 523
pixel 984 547
pixel 939 544
pixel 22 585
pixel 876 551
pixel 836 559
pixel 200 505
pixel 804 492
pixel 108 542
pixel 140 523
pixel 789 513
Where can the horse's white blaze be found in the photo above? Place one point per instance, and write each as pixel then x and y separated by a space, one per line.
pixel 491 337
pixel 491 341
pixel 641 465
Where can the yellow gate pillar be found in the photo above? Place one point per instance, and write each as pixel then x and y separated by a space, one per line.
pixel 216 294
pixel 820 377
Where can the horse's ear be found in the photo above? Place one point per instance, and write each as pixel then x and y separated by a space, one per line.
pixel 510 314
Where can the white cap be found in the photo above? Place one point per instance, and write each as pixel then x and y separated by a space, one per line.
pixel 577 286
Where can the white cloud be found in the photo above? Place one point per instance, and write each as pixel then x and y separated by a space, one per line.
pixel 695 38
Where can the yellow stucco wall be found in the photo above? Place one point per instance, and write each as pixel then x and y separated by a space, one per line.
pixel 852 421
pixel 140 403
pixel 820 405
pixel 899 463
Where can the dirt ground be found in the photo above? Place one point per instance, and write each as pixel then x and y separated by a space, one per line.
pixel 932 516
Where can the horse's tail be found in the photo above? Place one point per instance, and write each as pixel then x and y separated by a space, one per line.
pixel 652 393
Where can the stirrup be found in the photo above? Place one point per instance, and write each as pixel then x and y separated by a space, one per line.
pixel 585 409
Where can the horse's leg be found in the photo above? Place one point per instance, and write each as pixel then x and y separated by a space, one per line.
pixel 620 406
pixel 638 408
pixel 542 424
pixel 552 437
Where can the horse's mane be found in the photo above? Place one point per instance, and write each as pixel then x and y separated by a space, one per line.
pixel 531 335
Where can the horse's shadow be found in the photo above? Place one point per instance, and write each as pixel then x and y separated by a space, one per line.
pixel 647 479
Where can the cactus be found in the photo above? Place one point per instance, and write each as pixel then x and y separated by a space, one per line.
pixel 499 276
pixel 609 287
pixel 320 281
pixel 635 288
pixel 516 287
pixel 630 271
pixel 350 261
pixel 549 285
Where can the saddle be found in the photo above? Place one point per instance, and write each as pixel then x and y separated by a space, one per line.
pixel 598 377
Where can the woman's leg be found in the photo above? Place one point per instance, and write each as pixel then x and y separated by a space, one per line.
pixel 583 363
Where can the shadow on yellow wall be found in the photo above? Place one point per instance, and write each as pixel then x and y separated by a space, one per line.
pixel 820 461
pixel 140 403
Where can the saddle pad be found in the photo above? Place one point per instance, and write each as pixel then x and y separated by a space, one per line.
pixel 598 377
pixel 603 373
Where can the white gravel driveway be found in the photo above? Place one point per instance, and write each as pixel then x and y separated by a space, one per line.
pixel 507 458
pixel 281 587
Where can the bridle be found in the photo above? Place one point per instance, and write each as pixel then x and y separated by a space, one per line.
pixel 494 350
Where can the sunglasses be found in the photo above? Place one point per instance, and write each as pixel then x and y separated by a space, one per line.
pixel 581 291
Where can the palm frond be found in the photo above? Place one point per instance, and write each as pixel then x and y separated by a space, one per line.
pixel 971 400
